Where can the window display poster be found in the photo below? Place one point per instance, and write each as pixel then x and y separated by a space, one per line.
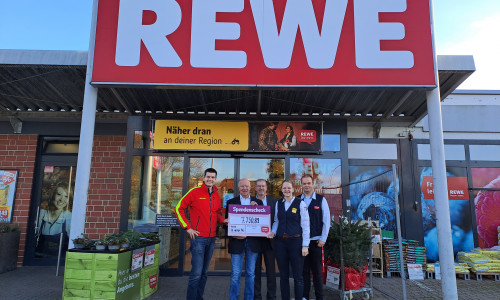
pixel 285 136
pixel 8 181
pixel 372 195
pixel 487 205
pixel 460 217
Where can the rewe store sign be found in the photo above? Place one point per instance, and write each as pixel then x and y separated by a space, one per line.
pixel 264 43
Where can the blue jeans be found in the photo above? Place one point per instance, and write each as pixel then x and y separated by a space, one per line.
pixel 236 268
pixel 201 254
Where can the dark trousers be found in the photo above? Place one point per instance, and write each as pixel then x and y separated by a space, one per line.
pixel 312 263
pixel 269 260
pixel 289 251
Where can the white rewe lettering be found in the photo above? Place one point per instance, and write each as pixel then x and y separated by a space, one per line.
pixel 131 32
pixel 320 48
pixel 205 30
pixel 368 32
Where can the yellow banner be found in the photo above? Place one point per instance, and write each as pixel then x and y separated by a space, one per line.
pixel 200 135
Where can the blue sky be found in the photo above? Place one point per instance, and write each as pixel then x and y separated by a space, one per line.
pixel 462 27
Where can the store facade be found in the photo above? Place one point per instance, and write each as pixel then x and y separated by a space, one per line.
pixel 133 181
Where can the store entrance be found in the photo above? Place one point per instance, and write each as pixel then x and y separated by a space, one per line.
pixel 229 171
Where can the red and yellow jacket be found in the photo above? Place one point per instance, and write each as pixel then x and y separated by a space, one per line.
pixel 205 210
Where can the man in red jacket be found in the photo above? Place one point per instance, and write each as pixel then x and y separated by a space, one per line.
pixel 205 212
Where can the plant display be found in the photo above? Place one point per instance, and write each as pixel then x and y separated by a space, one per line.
pixel 356 244
pixel 133 239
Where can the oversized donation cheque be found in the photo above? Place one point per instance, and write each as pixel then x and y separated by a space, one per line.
pixel 249 220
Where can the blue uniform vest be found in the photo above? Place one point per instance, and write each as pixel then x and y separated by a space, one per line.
pixel 289 221
pixel 316 216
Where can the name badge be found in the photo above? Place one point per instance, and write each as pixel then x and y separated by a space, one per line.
pixel 294 210
pixel 316 207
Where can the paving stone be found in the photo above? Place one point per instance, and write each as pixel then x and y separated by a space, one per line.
pixel 40 283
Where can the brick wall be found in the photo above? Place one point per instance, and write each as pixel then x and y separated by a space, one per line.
pixel 19 152
pixel 105 188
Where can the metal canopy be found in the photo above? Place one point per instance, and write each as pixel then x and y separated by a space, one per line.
pixel 38 83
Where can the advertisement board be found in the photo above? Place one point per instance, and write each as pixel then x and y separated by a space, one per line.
pixel 8 181
pixel 264 43
pixel 238 136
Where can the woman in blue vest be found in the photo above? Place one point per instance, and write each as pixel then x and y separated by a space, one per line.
pixel 291 230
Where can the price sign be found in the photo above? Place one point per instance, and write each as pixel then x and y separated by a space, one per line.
pixel 149 258
pixel 137 257
pixel 248 220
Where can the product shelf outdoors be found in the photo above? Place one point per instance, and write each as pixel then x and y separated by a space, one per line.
pixel 128 274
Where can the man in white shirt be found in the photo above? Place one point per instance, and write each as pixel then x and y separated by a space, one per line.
pixel 319 217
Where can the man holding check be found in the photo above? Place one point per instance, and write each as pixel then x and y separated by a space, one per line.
pixel 240 246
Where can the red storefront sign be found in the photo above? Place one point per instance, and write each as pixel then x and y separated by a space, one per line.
pixel 458 189
pixel 264 42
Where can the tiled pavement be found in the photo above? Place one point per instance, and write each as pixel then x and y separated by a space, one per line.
pixel 41 283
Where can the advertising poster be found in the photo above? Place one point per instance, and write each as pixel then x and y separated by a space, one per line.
pixel 461 224
pixel 8 181
pixel 487 205
pixel 372 195
pixel 285 136
pixel 327 177
pixel 54 216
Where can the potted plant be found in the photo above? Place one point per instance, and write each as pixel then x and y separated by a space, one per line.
pixel 9 246
pixel 124 242
pixel 356 242
pixel 114 242
pixel 81 242
pixel 101 245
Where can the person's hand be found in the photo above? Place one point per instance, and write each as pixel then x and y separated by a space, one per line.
pixel 270 235
pixel 321 243
pixel 192 233
pixel 305 251
pixel 240 237
pixel 226 221
pixel 254 203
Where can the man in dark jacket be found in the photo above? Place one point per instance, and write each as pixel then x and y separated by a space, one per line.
pixel 267 248
pixel 205 210
pixel 240 246
pixel 319 218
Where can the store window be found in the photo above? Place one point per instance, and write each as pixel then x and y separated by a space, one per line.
pixel 486 186
pixel 327 176
pixel 451 152
pixel 272 170
pixel 485 152
pixel 372 195
pixel 331 142
pixel 460 211
pixel 155 188
pixel 372 151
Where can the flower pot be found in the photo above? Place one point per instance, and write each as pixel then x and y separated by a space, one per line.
pixel 125 245
pixel 79 246
pixel 114 247
pixel 9 245
pixel 100 247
